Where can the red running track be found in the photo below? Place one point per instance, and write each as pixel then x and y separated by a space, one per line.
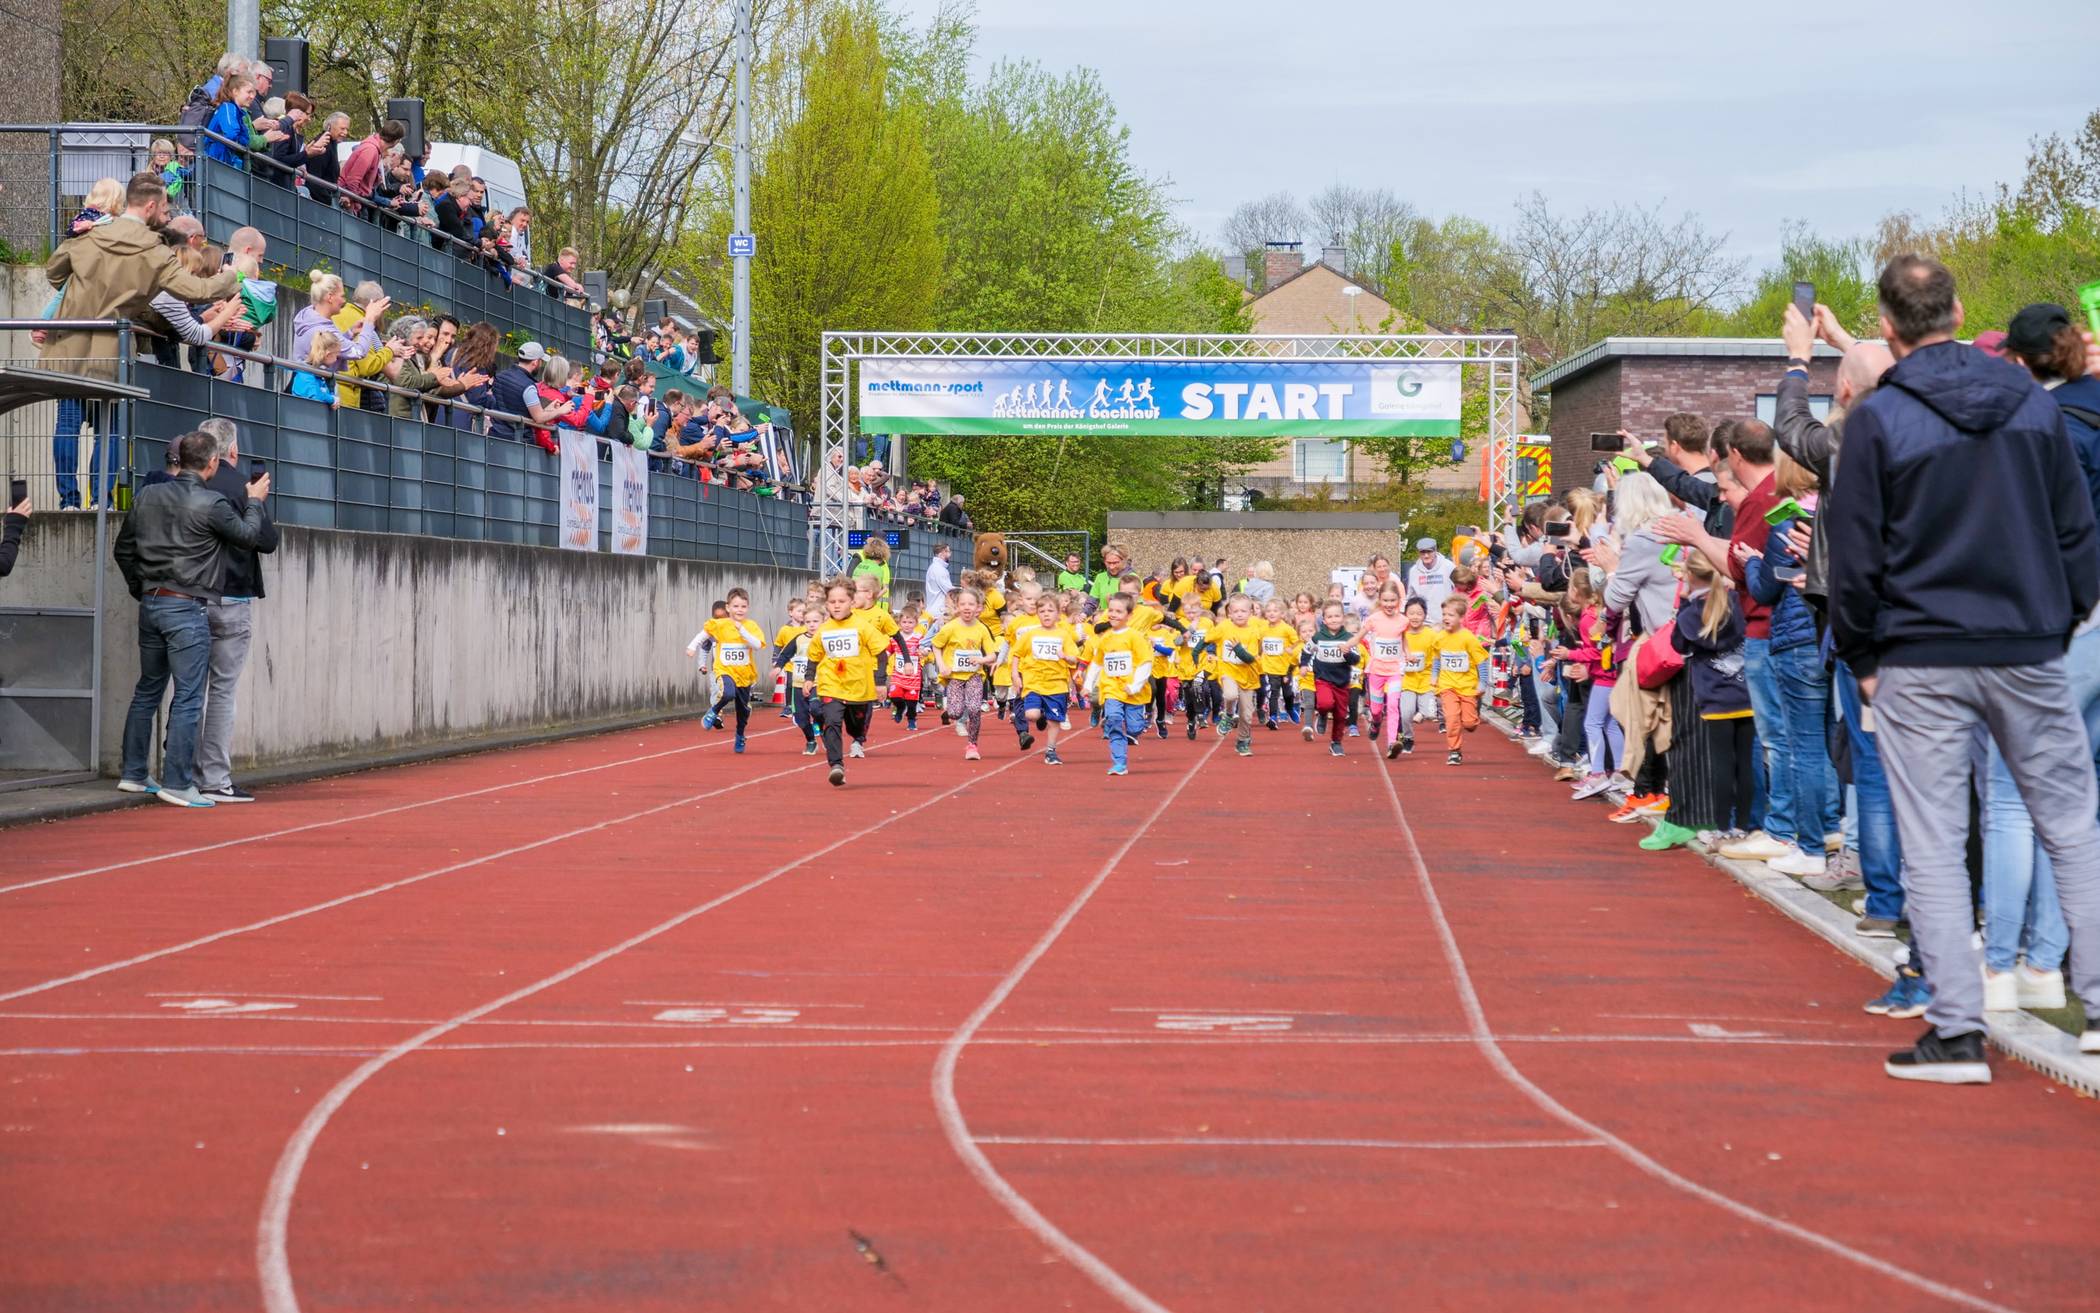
pixel 632 1023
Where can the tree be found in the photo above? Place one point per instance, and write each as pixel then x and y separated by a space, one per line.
pixel 1839 269
pixel 1252 225
pixel 1368 223
pixel 844 197
pixel 2063 178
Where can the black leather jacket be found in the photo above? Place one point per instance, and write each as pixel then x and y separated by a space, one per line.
pixel 177 534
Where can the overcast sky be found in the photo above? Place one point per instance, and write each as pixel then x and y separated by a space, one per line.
pixel 1739 113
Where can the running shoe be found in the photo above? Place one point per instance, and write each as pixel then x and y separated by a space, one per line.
pixel 1161 729
pixel 1455 759
pixel 856 749
pixel 709 720
pixel 1591 786
pixel 1118 770
pixel 1192 730
pixel 1272 724
pixel 970 753
pixel 809 748
pixel 1306 732
pixel 231 793
pixel 183 797
pixel 1956 1061
pixel 739 743
pixel 838 775
pixel 1407 746
pixel 1353 732
pixel 138 786
pixel 1568 774
pixel 1876 927
pixel 1243 748
pixel 1027 741
pixel 1392 750
pixel 1905 999
pixel 1334 749
pixel 1627 812
pixel 1839 876
pixel 1666 836
pixel 1050 757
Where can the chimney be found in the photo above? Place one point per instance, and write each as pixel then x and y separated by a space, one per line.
pixel 1336 258
pixel 1279 261
pixel 1236 268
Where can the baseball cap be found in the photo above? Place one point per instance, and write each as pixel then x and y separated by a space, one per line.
pixel 1425 544
pixel 1991 343
pixel 2033 331
pixel 531 351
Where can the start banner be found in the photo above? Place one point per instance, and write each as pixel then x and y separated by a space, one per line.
pixel 1251 398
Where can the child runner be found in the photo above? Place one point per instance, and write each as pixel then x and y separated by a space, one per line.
pixel 1384 640
pixel 1459 656
pixel 961 651
pixel 905 652
pixel 783 649
pixel 1167 645
pixel 849 644
pixel 803 651
pixel 1044 656
pixel 1331 654
pixel 1279 657
pixel 737 643
pixel 1239 669
pixel 1126 661
pixel 701 650
pixel 1418 674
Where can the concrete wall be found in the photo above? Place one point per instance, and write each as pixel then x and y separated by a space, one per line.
pixel 369 642
pixel 1304 548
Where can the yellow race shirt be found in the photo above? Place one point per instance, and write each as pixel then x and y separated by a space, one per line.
pixel 966 649
pixel 1418 666
pixel 737 649
pixel 847 652
pixel 787 634
pixel 1279 647
pixel 1182 664
pixel 1121 653
pixel 1226 634
pixel 1046 655
pixel 1458 660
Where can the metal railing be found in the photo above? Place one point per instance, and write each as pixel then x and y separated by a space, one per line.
pixel 304 231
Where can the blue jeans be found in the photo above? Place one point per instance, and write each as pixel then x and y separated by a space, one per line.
pixel 1771 802
pixel 1120 723
pixel 2019 884
pixel 1804 709
pixel 174 640
pixel 1880 850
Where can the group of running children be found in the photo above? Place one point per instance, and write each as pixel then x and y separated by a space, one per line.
pixel 1030 655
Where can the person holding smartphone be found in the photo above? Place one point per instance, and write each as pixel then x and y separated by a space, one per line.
pixel 17 520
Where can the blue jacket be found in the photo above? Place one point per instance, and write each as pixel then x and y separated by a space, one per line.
pixel 231 122
pixel 313 388
pixel 2083 395
pixel 1961 526
pixel 1792 622
pixel 1715 665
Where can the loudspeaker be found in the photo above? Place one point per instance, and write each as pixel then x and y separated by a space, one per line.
pixel 595 286
pixel 410 113
pixel 287 56
pixel 707 347
pixel 655 311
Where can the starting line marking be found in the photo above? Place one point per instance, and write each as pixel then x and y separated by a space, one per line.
pixel 733 1016
pixel 1230 1023
pixel 224 1006
pixel 1238 1142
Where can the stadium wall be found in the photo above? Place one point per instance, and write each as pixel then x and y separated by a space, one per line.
pixel 1305 547
pixel 370 644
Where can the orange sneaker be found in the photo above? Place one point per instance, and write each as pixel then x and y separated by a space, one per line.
pixel 1639 807
pixel 1626 813
pixel 1653 804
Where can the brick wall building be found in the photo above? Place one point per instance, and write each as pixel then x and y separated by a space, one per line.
pixel 1634 383
pixel 1304 547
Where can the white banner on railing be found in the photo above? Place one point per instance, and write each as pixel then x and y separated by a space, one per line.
pixel 579 491
pixel 630 508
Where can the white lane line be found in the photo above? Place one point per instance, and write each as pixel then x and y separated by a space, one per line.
pixel 362 816
pixel 272 1254
pixel 267 922
pixel 1483 1037
pixel 1240 1142
pixel 957 1128
pixel 256 993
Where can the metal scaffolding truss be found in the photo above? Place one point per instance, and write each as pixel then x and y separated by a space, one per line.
pixel 1497 353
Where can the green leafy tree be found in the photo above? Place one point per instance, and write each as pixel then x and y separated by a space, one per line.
pixel 1841 270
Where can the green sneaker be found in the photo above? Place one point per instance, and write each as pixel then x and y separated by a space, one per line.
pixel 1667 836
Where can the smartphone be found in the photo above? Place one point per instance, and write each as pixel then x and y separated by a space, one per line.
pixel 17 492
pixel 1673 554
pixel 1786 574
pixel 255 470
pixel 1607 442
pixel 1786 510
pixel 2089 297
pixel 1805 300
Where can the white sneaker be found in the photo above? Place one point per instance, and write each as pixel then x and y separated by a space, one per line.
pixel 856 750
pixel 183 797
pixel 2001 991
pixel 1798 864
pixel 1759 847
pixel 1591 786
pixel 137 786
pixel 1540 748
pixel 2039 989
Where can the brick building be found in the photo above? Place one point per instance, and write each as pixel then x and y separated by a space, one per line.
pixel 1316 299
pixel 1634 383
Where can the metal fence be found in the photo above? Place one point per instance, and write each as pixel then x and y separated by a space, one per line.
pixel 46 171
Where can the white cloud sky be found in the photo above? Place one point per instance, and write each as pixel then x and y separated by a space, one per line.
pixel 1752 116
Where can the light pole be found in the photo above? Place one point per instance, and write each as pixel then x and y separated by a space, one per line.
pixel 244 28
pixel 742 244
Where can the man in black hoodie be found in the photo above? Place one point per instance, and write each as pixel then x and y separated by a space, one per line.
pixel 241 588
pixel 1962 556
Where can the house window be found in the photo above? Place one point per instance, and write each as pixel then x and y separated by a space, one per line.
pixel 1319 460
pixel 1768 406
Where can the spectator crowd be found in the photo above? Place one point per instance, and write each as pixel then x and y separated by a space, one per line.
pixel 1820 643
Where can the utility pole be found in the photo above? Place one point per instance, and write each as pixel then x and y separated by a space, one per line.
pixel 742 244
pixel 244 28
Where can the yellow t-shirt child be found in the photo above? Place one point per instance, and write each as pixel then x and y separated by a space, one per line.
pixel 848 652
pixel 965 649
pixel 1458 660
pixel 1046 655
pixel 1122 653
pixel 1227 635
pixel 1279 647
pixel 737 645
pixel 1418 668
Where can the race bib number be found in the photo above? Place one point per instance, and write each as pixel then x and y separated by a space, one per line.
pixel 736 656
pixel 1457 663
pixel 968 662
pixel 1386 649
pixel 1417 662
pixel 1046 647
pixel 803 671
pixel 1330 653
pixel 1117 664
pixel 841 644
pixel 1272 647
